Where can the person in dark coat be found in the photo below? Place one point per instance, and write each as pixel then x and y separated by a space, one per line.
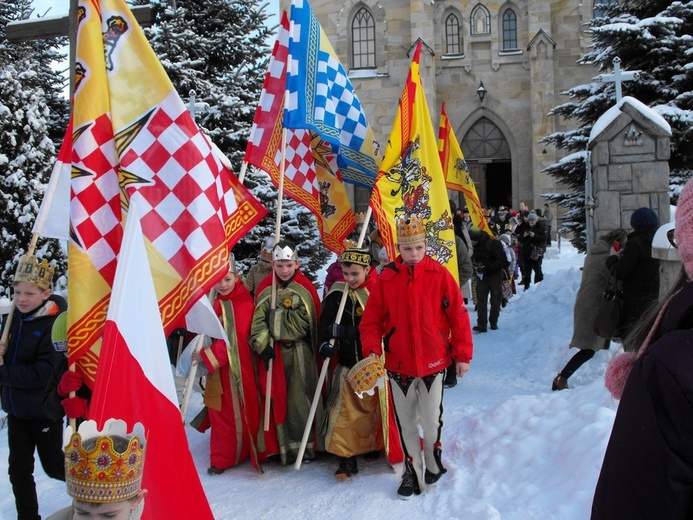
pixel 636 269
pixel 594 277
pixel 489 261
pixel 648 465
pixel 28 375
pixel 533 244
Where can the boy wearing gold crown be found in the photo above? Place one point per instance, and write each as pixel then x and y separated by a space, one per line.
pixel 28 375
pixel 104 472
pixel 261 269
pixel 231 394
pixel 354 425
pixel 287 334
pixel 416 314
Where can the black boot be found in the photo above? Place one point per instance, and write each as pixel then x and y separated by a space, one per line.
pixel 410 484
pixel 347 467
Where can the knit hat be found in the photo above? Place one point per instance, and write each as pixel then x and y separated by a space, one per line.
pixel 684 227
pixel 644 218
pixel 533 216
pixel 505 238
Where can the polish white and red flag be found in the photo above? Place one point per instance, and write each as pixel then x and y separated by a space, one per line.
pixel 134 383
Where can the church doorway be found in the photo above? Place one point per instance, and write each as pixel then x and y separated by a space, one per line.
pixel 499 185
pixel 488 155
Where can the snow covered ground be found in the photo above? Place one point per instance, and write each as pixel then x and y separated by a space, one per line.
pixel 514 450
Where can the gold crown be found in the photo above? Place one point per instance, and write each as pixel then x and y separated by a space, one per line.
pixel 266 250
pixel 360 217
pixel 103 473
pixel 355 256
pixel 365 375
pixel 31 271
pixel 410 230
pixel 348 243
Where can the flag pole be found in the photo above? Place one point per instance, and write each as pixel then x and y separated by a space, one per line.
pixel 277 234
pixel 199 341
pixel 244 168
pixel 326 363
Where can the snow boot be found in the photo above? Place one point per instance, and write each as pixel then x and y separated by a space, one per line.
pixel 214 471
pixel 347 467
pixel 410 484
pixel 559 383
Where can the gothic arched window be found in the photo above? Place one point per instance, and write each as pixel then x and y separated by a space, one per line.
pixel 363 40
pixel 453 41
pixel 509 30
pixel 480 21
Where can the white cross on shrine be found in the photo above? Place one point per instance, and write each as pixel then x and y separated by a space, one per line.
pixel 618 77
pixel 194 106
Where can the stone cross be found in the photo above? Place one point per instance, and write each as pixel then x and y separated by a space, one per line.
pixel 55 27
pixel 618 77
pixel 194 106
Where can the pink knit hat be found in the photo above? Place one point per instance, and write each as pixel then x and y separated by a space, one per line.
pixel 684 227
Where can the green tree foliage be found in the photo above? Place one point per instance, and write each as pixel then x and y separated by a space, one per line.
pixel 33 117
pixel 655 38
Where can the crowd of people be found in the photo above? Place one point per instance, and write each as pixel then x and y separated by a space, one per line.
pixel 406 317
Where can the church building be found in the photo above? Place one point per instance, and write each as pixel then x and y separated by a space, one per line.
pixel 499 66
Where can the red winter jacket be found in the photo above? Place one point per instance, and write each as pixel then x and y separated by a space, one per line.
pixel 418 313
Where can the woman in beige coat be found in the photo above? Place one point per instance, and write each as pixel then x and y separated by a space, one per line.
pixel 594 277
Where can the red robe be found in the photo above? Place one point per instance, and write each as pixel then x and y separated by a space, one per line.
pixel 235 413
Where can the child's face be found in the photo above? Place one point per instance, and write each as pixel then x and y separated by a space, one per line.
pixel 227 284
pixel 285 269
pixel 412 253
pixel 355 275
pixel 28 296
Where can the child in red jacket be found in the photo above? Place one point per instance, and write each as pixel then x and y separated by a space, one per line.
pixel 416 312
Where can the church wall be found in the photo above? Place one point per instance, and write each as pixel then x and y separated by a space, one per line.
pixel 522 86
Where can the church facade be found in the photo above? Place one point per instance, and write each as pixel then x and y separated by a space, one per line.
pixel 499 67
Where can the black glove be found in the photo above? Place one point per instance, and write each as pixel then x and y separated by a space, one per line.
pixel 480 269
pixel 267 355
pixel 179 333
pixel 327 350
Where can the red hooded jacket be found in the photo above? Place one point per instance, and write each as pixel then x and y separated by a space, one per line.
pixel 419 315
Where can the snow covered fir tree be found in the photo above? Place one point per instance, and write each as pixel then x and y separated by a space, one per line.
pixel 654 38
pixel 33 118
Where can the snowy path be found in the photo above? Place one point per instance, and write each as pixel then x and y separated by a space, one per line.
pixel 514 450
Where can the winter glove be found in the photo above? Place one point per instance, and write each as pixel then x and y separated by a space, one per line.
pixel 481 269
pixel 70 382
pixel 327 350
pixel 179 333
pixel 267 355
pixel 75 407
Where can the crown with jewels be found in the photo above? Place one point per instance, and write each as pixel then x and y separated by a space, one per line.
pixel 284 253
pixel 266 250
pixel 348 243
pixel 31 271
pixel 410 230
pixel 103 473
pixel 360 217
pixel 355 256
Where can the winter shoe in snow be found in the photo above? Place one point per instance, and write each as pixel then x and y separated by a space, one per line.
pixel 479 328
pixel 409 485
pixel 432 478
pixel 371 456
pixel 214 471
pixel 559 383
pixel 347 467
pixel 494 326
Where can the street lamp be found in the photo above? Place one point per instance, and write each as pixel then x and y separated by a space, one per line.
pixel 481 91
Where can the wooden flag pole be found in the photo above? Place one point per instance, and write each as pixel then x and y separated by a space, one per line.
pixel 277 234
pixel 326 363
pixel 244 168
